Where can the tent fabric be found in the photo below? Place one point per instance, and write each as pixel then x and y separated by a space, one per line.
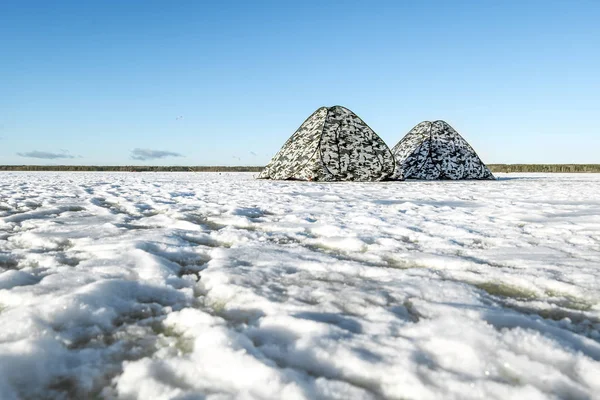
pixel 434 150
pixel 333 144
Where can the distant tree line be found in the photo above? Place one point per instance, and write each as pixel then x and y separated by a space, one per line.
pixel 141 168
pixel 129 168
pixel 544 167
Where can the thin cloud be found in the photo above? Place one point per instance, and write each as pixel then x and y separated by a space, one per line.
pixel 146 154
pixel 46 155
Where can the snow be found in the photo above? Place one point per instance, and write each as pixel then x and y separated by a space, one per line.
pixel 220 286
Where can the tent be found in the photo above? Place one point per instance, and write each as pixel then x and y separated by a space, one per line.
pixel 434 150
pixel 333 144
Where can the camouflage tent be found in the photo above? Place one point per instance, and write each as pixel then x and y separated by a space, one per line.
pixel 333 144
pixel 434 150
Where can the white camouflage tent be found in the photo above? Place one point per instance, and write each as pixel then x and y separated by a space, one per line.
pixel 434 150
pixel 333 144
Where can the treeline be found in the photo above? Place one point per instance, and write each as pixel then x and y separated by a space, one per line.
pixel 129 168
pixel 140 168
pixel 544 167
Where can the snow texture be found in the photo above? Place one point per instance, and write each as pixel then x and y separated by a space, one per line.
pixel 220 286
pixel 434 150
pixel 333 144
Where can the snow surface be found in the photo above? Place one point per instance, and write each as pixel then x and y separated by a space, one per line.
pixel 219 286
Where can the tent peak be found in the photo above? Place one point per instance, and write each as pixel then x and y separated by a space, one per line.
pixel 333 108
pixel 437 121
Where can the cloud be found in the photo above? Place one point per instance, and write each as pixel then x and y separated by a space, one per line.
pixel 46 155
pixel 146 154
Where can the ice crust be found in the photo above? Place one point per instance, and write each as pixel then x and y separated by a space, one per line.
pixel 220 286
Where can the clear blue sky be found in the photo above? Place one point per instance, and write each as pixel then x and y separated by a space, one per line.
pixel 226 83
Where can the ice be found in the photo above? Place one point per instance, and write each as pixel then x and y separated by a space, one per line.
pixel 220 286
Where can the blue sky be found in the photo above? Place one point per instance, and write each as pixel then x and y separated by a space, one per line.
pixel 226 83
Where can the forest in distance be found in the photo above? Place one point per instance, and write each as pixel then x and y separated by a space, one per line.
pixel 578 168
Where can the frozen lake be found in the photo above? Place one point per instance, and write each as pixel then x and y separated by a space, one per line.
pixel 219 286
